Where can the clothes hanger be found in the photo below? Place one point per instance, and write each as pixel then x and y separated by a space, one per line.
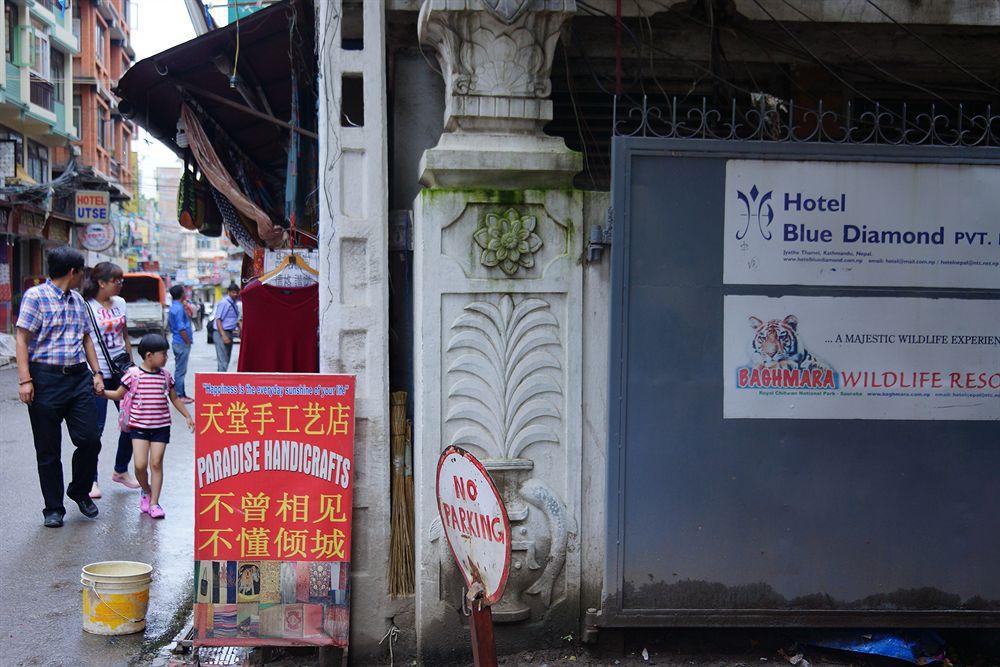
pixel 290 260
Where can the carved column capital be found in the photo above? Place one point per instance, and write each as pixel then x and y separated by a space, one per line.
pixel 496 57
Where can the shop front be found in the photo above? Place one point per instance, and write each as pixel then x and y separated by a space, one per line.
pixel 22 262
pixel 806 376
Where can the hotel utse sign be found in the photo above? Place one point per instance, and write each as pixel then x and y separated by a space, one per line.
pixel 92 206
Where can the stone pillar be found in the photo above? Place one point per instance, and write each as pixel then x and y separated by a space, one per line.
pixel 354 294
pixel 496 57
pixel 499 316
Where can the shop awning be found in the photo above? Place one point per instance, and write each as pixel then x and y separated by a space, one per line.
pixel 152 90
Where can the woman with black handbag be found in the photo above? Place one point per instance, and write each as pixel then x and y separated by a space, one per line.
pixel 114 352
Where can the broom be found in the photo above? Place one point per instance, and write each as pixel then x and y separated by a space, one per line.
pixel 409 481
pixel 400 537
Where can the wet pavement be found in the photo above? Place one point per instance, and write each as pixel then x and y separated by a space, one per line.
pixel 40 597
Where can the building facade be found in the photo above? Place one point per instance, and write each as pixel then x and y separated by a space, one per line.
pixel 509 127
pixel 36 121
pixel 104 137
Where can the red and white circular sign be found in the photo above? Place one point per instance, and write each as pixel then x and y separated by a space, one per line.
pixel 475 521
pixel 97 236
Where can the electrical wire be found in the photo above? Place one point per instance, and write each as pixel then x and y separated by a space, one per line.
pixel 637 78
pixel 236 58
pixel 823 64
pixel 576 114
pixel 932 47
pixel 666 52
pixel 596 11
pixel 876 66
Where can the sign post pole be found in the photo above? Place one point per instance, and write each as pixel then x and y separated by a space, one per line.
pixel 477 528
pixel 484 648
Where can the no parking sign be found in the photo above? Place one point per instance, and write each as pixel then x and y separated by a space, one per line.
pixel 477 528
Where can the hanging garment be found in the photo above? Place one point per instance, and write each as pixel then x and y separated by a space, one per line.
pixel 217 174
pixel 211 225
pixel 237 231
pixel 187 213
pixel 280 329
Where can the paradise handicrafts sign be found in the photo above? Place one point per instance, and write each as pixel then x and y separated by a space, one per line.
pixel 273 485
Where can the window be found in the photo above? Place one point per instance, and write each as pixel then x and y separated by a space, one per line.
pixel 99 38
pixel 17 138
pixel 103 129
pixel 10 20
pixel 40 50
pixel 58 74
pixel 78 112
pixel 76 21
pixel 204 243
pixel 38 162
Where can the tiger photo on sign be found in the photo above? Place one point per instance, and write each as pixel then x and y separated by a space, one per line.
pixel 776 344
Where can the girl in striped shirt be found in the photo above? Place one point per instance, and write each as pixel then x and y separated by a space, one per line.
pixel 148 386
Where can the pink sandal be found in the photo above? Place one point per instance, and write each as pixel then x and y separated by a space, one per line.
pixel 124 479
pixel 157 512
pixel 144 503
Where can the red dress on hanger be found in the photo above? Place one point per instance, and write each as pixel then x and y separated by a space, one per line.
pixel 280 329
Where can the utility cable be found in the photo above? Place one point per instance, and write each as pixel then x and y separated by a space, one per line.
pixel 749 34
pixel 751 94
pixel 822 64
pixel 876 66
pixel 236 58
pixel 932 47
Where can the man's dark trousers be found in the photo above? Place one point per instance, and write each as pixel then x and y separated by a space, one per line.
pixel 64 396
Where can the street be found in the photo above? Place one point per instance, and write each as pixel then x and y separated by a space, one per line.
pixel 40 599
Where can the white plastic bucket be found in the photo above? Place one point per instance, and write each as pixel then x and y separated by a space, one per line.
pixel 115 596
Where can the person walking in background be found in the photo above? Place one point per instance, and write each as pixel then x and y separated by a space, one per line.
pixel 114 354
pixel 227 320
pixel 58 375
pixel 199 314
pixel 148 386
pixel 183 335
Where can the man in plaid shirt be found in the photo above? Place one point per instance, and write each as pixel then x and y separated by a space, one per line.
pixel 58 374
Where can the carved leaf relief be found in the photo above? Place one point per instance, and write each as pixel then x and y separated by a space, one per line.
pixel 504 384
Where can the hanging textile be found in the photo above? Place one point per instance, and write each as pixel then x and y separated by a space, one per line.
pixel 292 164
pixel 187 210
pixel 213 168
pixel 240 235
pixel 280 329
pixel 212 223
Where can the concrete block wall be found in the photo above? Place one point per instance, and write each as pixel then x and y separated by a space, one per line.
pixel 354 296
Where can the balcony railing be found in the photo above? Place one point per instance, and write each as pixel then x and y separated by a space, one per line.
pixel 42 93
pixel 13 82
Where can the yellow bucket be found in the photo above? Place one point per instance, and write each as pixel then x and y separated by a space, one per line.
pixel 115 597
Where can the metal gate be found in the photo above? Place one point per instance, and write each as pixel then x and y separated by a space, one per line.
pixel 743 521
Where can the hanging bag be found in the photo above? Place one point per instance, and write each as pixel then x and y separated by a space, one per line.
pixel 125 409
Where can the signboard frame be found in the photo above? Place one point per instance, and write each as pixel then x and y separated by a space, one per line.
pixel 104 206
pixel 621 606
pixel 274 459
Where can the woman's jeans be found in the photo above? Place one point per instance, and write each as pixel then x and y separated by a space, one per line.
pixel 124 454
